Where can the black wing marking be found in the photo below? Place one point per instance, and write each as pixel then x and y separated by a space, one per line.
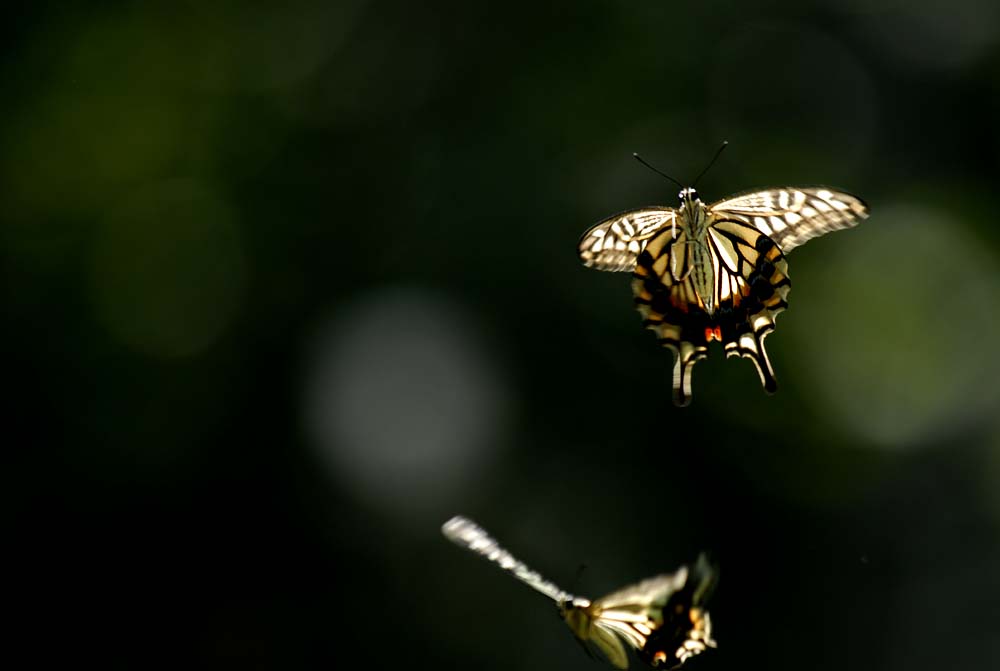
pixel 750 288
pixel 614 244
pixel 791 216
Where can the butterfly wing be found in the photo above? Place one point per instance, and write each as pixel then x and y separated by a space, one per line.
pixel 631 616
pixel 686 629
pixel 749 285
pixel 790 215
pixel 642 597
pixel 607 641
pixel 752 283
pixel 614 244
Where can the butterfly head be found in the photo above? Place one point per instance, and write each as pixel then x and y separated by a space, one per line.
pixel 689 195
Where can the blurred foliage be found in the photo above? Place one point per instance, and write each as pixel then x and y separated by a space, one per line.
pixel 207 208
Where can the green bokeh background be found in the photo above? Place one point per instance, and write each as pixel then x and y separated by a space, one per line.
pixel 286 286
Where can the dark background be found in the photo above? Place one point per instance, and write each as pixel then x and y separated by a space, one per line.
pixel 285 288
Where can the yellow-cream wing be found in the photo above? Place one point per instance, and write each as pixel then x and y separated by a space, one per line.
pixel 791 216
pixel 631 614
pixel 614 244
pixel 606 640
pixel 650 593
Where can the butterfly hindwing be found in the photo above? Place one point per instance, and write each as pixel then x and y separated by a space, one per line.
pixel 686 629
pixel 761 276
pixel 750 288
pixel 662 618
pixel 791 216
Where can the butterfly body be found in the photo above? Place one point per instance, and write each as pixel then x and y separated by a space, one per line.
pixel 693 244
pixel 716 272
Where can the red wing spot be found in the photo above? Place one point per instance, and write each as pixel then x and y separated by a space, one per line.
pixel 713 334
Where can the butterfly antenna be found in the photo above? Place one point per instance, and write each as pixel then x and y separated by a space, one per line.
pixel 725 143
pixel 661 174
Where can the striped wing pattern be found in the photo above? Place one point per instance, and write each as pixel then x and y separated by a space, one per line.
pixel 724 280
pixel 792 216
pixel 632 615
pixel 662 618
pixel 751 287
pixel 614 244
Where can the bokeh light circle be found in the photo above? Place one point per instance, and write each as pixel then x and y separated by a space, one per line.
pixel 404 400
pixel 898 340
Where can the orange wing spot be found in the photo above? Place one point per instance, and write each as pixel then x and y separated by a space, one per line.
pixel 660 657
pixel 678 302
pixel 713 334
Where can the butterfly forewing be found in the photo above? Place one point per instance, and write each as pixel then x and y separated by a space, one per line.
pixel 792 216
pixel 614 244
pixel 650 593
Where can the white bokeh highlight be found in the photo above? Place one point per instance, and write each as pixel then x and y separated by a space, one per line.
pixel 405 401
pixel 897 328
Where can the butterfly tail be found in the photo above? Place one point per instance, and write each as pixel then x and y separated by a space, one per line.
pixel 768 286
pixel 686 356
pixel 751 346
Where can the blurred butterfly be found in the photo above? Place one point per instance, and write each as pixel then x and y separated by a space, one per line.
pixel 663 618
pixel 715 272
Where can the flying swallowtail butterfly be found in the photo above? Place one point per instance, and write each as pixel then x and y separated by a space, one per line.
pixel 663 618
pixel 716 272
